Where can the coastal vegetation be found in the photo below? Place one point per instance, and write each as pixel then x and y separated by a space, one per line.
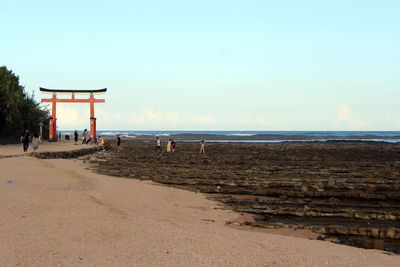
pixel 18 109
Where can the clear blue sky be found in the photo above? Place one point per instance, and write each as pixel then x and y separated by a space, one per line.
pixel 212 65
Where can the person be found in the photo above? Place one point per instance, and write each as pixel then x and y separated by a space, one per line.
pixel 35 141
pixel 118 143
pixel 59 135
pixel 25 139
pixel 169 145
pixel 158 147
pixel 101 143
pixel 84 138
pixel 76 137
pixel 202 147
pixel 173 143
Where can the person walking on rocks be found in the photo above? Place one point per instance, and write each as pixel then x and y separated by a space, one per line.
pixel 202 146
pixel 76 137
pixel 25 139
pixel 169 145
pixel 101 143
pixel 173 143
pixel 158 147
pixel 118 143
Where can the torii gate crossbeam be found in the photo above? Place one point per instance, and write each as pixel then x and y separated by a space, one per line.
pixel 54 100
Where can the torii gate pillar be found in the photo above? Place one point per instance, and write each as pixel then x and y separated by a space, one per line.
pixel 53 119
pixel 54 100
pixel 92 118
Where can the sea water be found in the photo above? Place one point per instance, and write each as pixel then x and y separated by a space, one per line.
pixel 268 136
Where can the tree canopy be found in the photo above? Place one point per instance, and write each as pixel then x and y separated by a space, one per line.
pixel 18 110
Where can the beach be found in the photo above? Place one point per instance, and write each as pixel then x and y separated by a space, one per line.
pixel 59 213
pixel 61 145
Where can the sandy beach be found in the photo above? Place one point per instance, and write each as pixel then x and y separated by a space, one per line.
pixel 62 145
pixel 57 213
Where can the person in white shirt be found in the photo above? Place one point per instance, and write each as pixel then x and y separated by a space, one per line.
pixel 202 147
pixel 158 147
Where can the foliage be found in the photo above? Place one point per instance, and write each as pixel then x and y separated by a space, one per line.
pixel 18 110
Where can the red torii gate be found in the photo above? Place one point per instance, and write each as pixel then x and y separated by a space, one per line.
pixel 54 100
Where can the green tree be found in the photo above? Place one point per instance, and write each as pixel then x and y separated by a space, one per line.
pixel 18 110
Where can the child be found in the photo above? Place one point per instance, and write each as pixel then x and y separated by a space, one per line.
pixel 158 147
pixel 173 143
pixel 118 143
pixel 101 143
pixel 202 147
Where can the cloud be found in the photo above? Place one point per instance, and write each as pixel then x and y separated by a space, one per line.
pixel 202 120
pixel 346 120
pixel 72 117
pixel 117 116
pixel 240 121
pixel 256 122
pixel 151 118
pixel 393 120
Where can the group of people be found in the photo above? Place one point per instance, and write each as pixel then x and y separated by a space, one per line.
pixel 85 139
pixel 171 145
pixel 98 140
pixel 26 138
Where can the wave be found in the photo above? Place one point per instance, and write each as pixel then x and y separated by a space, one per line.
pixel 241 134
pixel 294 141
pixel 283 134
pixel 128 136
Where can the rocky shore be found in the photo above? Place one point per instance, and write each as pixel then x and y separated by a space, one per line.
pixel 348 190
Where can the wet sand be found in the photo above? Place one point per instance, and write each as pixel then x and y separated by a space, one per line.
pixel 60 214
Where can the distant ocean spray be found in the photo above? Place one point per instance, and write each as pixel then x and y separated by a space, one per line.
pixel 268 136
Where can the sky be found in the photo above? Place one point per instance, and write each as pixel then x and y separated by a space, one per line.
pixel 211 65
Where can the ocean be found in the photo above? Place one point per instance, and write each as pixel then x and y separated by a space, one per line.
pixel 264 136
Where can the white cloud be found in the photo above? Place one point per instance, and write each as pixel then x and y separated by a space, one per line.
pixel 72 117
pixel 346 121
pixel 393 120
pixel 240 121
pixel 256 122
pixel 202 120
pixel 261 121
pixel 150 118
pixel 117 116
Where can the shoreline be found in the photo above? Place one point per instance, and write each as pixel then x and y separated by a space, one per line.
pixel 188 136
